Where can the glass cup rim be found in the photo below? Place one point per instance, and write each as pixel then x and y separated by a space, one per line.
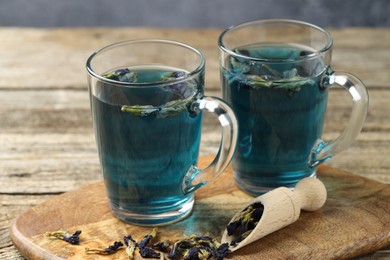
pixel 191 74
pixel 323 50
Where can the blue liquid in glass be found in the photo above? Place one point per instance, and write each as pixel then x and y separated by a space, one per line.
pixel 278 124
pixel 144 158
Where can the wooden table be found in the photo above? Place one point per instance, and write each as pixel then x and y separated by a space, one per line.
pixel 46 138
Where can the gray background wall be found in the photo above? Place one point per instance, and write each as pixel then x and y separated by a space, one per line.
pixel 190 13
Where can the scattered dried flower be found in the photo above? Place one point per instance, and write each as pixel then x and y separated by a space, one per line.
pixel 66 236
pixel 199 247
pixel 130 246
pixel 245 222
pixel 105 251
pixel 162 246
pixel 122 75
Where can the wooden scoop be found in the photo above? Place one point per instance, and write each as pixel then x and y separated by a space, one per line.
pixel 282 207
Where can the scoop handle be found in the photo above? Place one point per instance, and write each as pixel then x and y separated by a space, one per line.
pixel 282 207
pixel 310 193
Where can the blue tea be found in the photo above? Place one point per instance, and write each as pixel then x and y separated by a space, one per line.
pixel 147 141
pixel 280 104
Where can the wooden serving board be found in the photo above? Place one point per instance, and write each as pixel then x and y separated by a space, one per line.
pixel 354 221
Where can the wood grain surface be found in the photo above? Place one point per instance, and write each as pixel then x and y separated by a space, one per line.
pixel 46 137
pixel 353 221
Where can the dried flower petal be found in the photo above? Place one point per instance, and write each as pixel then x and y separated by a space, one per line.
pixel 122 75
pixel 192 254
pixel 130 246
pixel 245 222
pixel 222 251
pixel 66 236
pixel 232 227
pixel 199 247
pixel 173 75
pixel 121 72
pixel 148 252
pixel 106 251
pixel 147 238
pixel 161 246
pixel 168 109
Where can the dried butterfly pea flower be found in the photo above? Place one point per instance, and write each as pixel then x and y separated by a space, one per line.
pixel 106 251
pixel 222 251
pixel 162 246
pixel 122 75
pixel 168 109
pixel 246 221
pixel 147 252
pixel 66 236
pixel 121 72
pixel 147 238
pixel 173 75
pixel 195 253
pixel 144 250
pixel 265 76
pixel 130 246
pixel 199 247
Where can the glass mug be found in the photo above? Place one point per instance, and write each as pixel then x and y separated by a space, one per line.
pixel 147 100
pixel 276 75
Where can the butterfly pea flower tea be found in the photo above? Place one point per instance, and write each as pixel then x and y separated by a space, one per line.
pixel 147 100
pixel 276 75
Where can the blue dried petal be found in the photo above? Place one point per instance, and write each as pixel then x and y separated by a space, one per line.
pixel 173 75
pixel 73 239
pixel 199 247
pixel 148 252
pixel 106 251
pixel 192 254
pixel 66 236
pixel 121 72
pixel 130 246
pixel 161 246
pixel 128 239
pixel 178 74
pixel 122 75
pixel 257 213
pixel 114 247
pixel 222 251
pixel 145 241
pixel 232 227
pixel 174 254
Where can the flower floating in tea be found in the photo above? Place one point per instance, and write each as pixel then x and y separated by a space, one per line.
pixel 259 71
pixel 122 75
pixel 73 239
pixel 182 92
pixel 173 75
pixel 105 251
pixel 245 222
pixel 168 109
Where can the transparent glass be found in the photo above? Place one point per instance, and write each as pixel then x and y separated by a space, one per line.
pixel 148 128
pixel 276 75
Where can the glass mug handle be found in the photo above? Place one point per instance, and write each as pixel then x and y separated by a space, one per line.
pixel 195 177
pixel 322 150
